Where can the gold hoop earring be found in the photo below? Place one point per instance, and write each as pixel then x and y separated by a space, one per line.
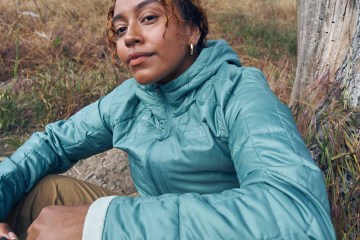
pixel 191 49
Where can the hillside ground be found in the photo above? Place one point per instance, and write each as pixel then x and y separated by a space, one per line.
pixel 54 61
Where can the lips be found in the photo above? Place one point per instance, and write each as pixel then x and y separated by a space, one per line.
pixel 137 58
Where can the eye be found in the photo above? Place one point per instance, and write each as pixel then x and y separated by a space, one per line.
pixel 120 31
pixel 149 18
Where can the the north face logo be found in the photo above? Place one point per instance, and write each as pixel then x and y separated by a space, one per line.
pixel 195 132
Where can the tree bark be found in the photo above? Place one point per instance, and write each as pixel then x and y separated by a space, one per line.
pixel 328 50
pixel 326 101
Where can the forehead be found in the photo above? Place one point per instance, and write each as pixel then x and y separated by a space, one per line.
pixel 133 5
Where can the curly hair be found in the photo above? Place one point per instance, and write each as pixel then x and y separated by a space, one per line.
pixel 191 11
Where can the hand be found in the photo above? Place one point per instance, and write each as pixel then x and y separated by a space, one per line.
pixel 5 232
pixel 53 222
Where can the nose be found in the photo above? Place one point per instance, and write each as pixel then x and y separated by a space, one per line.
pixel 132 40
pixel 133 36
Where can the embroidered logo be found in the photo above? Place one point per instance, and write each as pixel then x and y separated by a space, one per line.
pixel 195 132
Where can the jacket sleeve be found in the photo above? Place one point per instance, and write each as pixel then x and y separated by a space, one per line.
pixel 55 150
pixel 282 193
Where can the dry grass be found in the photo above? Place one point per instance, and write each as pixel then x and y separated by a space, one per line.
pixel 263 32
pixel 53 61
pixel 332 131
pixel 47 31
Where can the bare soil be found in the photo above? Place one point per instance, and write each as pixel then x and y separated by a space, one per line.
pixel 109 170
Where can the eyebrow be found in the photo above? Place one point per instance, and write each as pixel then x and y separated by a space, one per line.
pixel 137 8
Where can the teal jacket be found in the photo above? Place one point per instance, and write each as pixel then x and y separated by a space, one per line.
pixel 214 155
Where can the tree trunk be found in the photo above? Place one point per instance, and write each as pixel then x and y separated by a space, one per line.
pixel 328 48
pixel 325 101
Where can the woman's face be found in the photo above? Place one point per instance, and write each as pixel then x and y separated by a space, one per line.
pixel 150 50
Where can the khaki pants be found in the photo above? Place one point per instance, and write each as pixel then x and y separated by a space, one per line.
pixel 52 190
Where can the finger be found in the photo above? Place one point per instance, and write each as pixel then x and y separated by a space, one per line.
pixel 12 236
pixel 9 236
pixel 5 232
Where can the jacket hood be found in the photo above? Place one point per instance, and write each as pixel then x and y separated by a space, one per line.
pixel 174 92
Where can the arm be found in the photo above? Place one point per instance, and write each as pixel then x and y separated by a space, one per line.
pixel 58 148
pixel 282 193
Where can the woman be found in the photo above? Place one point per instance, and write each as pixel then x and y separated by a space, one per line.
pixel 213 153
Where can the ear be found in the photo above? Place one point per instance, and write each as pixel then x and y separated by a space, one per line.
pixel 194 35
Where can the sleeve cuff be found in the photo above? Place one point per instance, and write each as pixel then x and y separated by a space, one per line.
pixel 95 218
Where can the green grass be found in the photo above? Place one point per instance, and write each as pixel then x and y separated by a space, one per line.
pixel 257 29
pixel 55 91
pixel 339 144
pixel 260 39
pixel 332 132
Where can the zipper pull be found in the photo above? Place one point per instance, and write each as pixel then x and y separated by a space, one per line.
pixel 158 90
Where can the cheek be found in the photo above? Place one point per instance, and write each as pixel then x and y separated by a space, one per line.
pixel 121 53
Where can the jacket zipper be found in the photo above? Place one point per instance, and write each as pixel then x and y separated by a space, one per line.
pixel 168 117
pixel 162 137
pixel 148 168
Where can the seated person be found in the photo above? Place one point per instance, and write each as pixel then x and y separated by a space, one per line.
pixel 213 153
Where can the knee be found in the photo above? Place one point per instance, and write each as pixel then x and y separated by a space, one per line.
pixel 50 186
pixel 48 182
pixel 53 180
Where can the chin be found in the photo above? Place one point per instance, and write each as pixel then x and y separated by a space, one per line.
pixel 144 81
pixel 144 78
